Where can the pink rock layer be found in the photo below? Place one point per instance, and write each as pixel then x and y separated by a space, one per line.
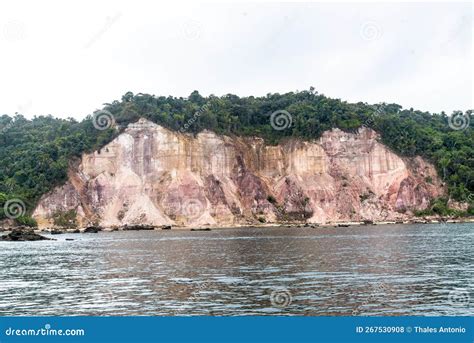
pixel 151 175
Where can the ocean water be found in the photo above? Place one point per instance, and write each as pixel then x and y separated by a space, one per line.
pixel 369 271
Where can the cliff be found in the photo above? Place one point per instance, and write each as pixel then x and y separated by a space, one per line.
pixel 151 175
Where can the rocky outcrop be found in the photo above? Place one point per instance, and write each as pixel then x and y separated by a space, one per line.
pixel 150 175
pixel 93 229
pixel 23 234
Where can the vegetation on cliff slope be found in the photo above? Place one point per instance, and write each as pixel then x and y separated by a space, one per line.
pixel 34 154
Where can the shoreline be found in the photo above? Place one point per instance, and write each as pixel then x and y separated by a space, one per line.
pixel 23 233
pixel 346 224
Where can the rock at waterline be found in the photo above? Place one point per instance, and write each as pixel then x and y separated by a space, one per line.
pixel 166 227
pixel 23 234
pixel 93 229
pixel 203 229
pixel 137 227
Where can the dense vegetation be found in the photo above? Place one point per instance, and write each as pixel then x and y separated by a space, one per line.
pixel 34 154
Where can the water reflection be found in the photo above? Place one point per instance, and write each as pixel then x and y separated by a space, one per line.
pixel 373 270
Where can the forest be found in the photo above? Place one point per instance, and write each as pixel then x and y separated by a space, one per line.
pixel 35 153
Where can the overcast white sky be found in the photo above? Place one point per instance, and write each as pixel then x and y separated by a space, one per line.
pixel 67 58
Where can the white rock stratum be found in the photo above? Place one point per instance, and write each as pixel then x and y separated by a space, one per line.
pixel 151 175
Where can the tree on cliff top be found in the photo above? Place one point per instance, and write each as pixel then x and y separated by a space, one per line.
pixel 34 154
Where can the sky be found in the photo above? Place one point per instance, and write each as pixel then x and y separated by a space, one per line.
pixel 67 58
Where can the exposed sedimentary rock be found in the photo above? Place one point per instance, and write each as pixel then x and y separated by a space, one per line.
pixel 150 175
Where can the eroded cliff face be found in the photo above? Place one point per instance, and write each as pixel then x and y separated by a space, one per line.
pixel 151 175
